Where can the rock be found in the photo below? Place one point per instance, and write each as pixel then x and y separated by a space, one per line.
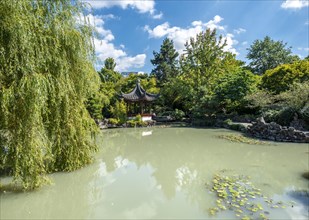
pixel 273 131
pixel 261 120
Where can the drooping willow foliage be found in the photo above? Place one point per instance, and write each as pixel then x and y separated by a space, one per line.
pixel 46 75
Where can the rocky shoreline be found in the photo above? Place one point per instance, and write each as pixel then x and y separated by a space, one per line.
pixel 275 132
pixel 269 131
pixel 258 129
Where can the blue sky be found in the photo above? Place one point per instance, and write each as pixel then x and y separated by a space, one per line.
pixel 129 31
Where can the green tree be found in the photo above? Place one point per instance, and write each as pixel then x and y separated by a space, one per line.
pixel 267 54
pixel 282 107
pixel 297 97
pixel 119 111
pixel 46 76
pixel 110 63
pixel 95 104
pixel 230 91
pixel 107 73
pixel 280 78
pixel 205 57
pixel 177 93
pixel 204 62
pixel 165 61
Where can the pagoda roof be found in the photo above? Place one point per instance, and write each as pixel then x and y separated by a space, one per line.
pixel 139 95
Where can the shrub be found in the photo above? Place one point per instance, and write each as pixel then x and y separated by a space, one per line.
pixel 119 111
pixel 285 116
pixel 282 116
pixel 113 121
pixel 280 78
pixel 237 127
pixel 178 114
pixel 131 123
pixel 137 121
pixel 231 89
pixel 95 106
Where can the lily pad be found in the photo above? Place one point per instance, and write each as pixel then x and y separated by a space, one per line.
pixel 239 195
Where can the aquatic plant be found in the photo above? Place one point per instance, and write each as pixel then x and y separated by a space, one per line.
pixel 239 195
pixel 242 139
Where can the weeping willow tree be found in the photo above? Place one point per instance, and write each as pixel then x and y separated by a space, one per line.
pixel 46 75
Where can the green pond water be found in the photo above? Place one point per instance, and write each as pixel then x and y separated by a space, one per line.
pixel 161 173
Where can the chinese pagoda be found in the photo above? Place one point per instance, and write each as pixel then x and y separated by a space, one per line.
pixel 138 96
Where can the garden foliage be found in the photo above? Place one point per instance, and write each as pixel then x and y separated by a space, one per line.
pixel 46 77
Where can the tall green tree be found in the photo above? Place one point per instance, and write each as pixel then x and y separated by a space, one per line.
pixel 267 54
pixel 46 76
pixel 230 91
pixel 107 73
pixel 206 58
pixel 165 61
pixel 110 63
pixel 204 61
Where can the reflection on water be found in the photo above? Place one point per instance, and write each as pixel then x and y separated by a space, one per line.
pixel 161 173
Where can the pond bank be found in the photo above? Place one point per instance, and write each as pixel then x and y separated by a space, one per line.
pixel 270 131
pixel 258 129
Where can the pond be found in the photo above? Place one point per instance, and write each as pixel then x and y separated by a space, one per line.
pixel 161 173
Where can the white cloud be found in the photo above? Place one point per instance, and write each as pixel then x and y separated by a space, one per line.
pixel 197 23
pixel 127 62
pixel 181 35
pixel 303 48
pixel 110 16
pixel 240 30
pixel 158 16
pixel 230 42
pixel 214 24
pixel 295 4
pixel 244 43
pixel 307 22
pixel 104 47
pixel 142 6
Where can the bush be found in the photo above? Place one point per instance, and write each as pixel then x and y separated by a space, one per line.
pixel 131 123
pixel 280 78
pixel 280 116
pixel 209 121
pixel 95 105
pixel 113 121
pixel 137 121
pixel 178 114
pixel 119 111
pixel 285 116
pixel 237 127
pixel 230 91
pixel 228 121
pixel 304 113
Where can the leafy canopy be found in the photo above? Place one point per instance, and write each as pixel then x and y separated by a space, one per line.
pixel 231 89
pixel 282 77
pixel 165 61
pixel 267 54
pixel 110 64
pixel 46 76
pixel 203 63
